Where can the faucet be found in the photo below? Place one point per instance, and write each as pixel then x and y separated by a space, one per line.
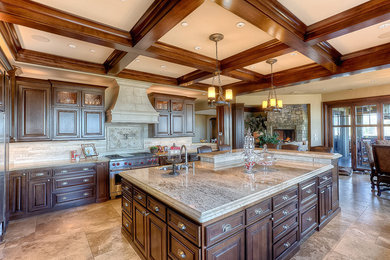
pixel 186 155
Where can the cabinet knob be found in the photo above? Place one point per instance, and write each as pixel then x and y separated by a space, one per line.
pixel 285 212
pixel 325 178
pixel 286 245
pixel 285 227
pixel 85 193
pixel 127 224
pixel 285 197
pixel 48 180
pixel 156 209
pixel 126 188
pixel 309 219
pixel 181 226
pixel 126 204
pixel 64 198
pixel 226 228
pixel 258 211
pixel 145 213
pixel 65 183
pixel 308 191
pixel 85 169
pixel 24 174
pixel 181 253
pixel 85 180
pixel 139 197
pixel 322 192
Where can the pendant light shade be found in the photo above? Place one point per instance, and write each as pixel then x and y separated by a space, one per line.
pixel 272 103
pixel 211 93
pixel 229 95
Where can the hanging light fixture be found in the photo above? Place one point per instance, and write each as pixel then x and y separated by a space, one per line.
pixel 272 103
pixel 218 98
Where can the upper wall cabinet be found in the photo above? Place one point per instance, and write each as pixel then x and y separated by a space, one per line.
pixel 177 116
pixel 56 110
pixel 33 109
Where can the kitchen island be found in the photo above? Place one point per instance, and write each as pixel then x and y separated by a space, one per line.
pixel 224 213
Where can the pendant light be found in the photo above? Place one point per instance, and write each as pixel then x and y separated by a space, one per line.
pixel 218 98
pixel 272 103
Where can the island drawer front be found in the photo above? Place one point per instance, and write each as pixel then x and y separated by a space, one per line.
pixel 60 198
pixel 139 196
pixel 127 188
pixel 308 190
pixel 157 208
pixel 283 198
pixel 230 248
pixel 309 220
pixel 180 248
pixel 185 227
pixel 325 178
pixel 74 170
pixel 223 228
pixel 285 227
pixel 127 224
pixel 286 243
pixel 285 212
pixel 127 206
pixel 258 211
pixel 74 181
pixel 40 173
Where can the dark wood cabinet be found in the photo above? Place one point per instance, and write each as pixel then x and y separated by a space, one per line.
pixel 66 96
pixel 17 194
pixel 39 194
pixel 177 115
pixel 140 232
pixel 92 99
pixel 259 240
pixel 102 182
pixel 157 238
pixel 66 123
pixel 231 248
pixel 324 202
pixel 33 110
pixel 92 124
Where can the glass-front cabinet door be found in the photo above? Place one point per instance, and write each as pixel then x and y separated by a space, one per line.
pixel 92 99
pixel 66 97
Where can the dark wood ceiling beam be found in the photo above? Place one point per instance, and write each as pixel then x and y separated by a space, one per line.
pixel 356 18
pixel 144 76
pixel 256 54
pixel 10 37
pixel 115 57
pixel 193 77
pixel 244 75
pixel 277 21
pixel 34 15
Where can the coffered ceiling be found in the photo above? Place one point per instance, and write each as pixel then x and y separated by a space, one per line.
pixel 166 42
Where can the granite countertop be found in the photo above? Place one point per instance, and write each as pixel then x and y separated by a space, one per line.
pixel 204 194
pixel 56 163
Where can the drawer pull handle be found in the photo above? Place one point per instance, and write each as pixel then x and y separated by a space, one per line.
pixel 64 171
pixel 325 178
pixel 322 192
pixel 259 211
pixel 181 253
pixel 139 197
pixel 309 219
pixel 285 197
pixel 126 188
pixel 181 226
pixel 85 193
pixel 48 180
pixel 39 174
pixel 156 209
pixel 226 228
pixel 65 183
pixel 85 180
pixel 308 191
pixel 85 169
pixel 285 212
pixel 126 204
pixel 145 213
pixel 64 198
pixel 127 224
pixel 287 244
pixel 285 227
pixel 24 174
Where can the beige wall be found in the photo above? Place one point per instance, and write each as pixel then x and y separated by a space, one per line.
pixel 200 128
pixel 357 93
pixel 315 110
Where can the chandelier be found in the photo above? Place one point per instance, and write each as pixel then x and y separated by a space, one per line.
pixel 218 99
pixel 272 103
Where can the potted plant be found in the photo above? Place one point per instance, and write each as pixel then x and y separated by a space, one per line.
pixel 153 149
pixel 270 140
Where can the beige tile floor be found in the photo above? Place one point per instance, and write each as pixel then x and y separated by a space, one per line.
pixel 360 231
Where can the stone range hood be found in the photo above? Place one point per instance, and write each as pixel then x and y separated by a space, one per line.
pixel 132 105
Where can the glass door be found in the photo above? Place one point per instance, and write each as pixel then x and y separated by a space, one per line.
pixel 342 135
pixel 386 121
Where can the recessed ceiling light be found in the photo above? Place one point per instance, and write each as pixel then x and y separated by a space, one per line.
pixel 92 50
pixel 40 38
pixel 293 53
pixel 184 24
pixel 70 45
pixel 163 66
pixel 240 24
pixel 197 48
pixel 123 0
pixel 252 66
pixel 384 26
pixel 137 60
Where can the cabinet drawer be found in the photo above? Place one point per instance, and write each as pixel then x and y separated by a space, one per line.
pixel 74 196
pixel 180 248
pixel 325 178
pixel 127 224
pixel 308 190
pixel 309 220
pixel 185 227
pixel 74 181
pixel 258 211
pixel 230 248
pixel 127 206
pixel 139 196
pixel 285 212
pixel 157 208
pixel 39 173
pixel 127 189
pixel 74 170
pixel 285 227
pixel 223 228
pixel 286 243
pixel 285 197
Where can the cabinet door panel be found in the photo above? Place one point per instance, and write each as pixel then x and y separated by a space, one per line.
pixel 93 99
pixel 259 240
pixel 177 124
pixel 33 111
pixel 66 123
pixel 39 197
pixel 17 194
pixel 231 248
pixel 163 127
pixel 66 97
pixel 157 237
pixel 93 123
pixel 190 119
pixel 140 232
pixel 102 184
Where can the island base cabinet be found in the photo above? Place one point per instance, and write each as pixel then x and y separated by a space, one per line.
pixel 259 240
pixel 180 248
pixel 157 233
pixel 127 225
pixel 325 202
pixel 231 248
pixel 140 235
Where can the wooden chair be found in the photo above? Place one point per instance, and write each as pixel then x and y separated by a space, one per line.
pixel 322 149
pixel 204 149
pixel 371 161
pixel 224 147
pixel 290 147
pixel 382 165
